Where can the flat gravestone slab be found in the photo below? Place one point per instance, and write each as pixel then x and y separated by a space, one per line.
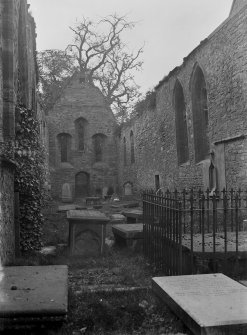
pixel 27 291
pixel 208 304
pixel 131 204
pixel 66 208
pixel 129 231
pixel 84 215
pixel 118 218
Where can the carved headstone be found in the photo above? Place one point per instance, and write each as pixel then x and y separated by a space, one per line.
pixel 66 193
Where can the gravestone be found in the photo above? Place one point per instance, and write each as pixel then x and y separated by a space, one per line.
pixel 130 235
pixel 87 231
pixel 66 193
pixel 33 294
pixel 128 189
pixel 207 304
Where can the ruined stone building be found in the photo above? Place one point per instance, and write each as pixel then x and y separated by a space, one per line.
pixel 82 143
pixel 197 133
pixel 18 79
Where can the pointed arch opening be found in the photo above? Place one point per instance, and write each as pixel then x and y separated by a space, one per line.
pixel 64 142
pixel 80 129
pixel 200 114
pixel 132 148
pixel 99 141
pixel 124 151
pixel 181 124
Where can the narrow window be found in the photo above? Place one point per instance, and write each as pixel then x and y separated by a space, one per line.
pixel 64 141
pixel 181 124
pixel 132 148
pixel 124 151
pixel 99 146
pixel 157 182
pixel 200 115
pixel 80 126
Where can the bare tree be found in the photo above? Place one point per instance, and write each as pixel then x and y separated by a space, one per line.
pixel 107 61
pixel 55 67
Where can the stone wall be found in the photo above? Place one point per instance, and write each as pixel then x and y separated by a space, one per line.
pixel 222 58
pixel 17 86
pixel 7 229
pixel 82 100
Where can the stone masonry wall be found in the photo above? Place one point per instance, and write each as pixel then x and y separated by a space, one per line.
pixel 7 230
pixel 223 60
pixel 15 87
pixel 82 100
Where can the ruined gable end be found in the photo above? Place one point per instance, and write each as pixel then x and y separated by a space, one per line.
pixel 237 5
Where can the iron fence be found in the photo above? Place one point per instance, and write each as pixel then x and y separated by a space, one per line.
pixel 195 232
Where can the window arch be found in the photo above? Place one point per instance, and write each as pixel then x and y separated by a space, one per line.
pixel 181 124
pixel 99 146
pixel 124 151
pixel 80 127
pixel 64 141
pixel 132 148
pixel 200 115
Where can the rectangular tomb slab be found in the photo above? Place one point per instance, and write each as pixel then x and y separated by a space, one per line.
pixel 207 304
pixel 129 231
pixel 33 291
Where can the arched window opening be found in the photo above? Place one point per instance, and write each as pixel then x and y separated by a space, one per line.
pixel 124 151
pixel 181 124
pixel 80 126
pixel 132 148
pixel 200 115
pixel 212 177
pixel 99 146
pixel 82 184
pixel 64 141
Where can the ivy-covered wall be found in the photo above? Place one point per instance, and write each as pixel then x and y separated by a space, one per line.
pixel 18 79
pixel 7 246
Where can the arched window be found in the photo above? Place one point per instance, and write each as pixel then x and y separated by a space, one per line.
pixel 80 127
pixel 124 151
pixel 200 115
pixel 99 146
pixel 181 124
pixel 132 148
pixel 64 141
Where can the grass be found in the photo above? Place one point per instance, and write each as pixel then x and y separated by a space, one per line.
pixel 94 305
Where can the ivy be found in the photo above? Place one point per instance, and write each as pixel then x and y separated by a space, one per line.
pixel 29 178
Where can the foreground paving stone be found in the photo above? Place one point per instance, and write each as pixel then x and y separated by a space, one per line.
pixel 207 304
pixel 33 291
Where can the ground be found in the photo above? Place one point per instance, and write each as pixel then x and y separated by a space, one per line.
pixel 110 294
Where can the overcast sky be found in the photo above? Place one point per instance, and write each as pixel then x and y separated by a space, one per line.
pixel 170 29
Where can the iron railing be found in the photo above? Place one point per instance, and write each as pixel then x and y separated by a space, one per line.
pixel 194 231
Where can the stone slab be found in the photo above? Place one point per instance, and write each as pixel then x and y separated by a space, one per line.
pixel 66 208
pixel 117 218
pixel 207 304
pixel 133 215
pixel 129 231
pixel 131 204
pixel 33 291
pixel 89 214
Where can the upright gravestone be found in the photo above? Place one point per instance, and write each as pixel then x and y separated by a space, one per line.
pixel 211 304
pixel 127 189
pixel 66 193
